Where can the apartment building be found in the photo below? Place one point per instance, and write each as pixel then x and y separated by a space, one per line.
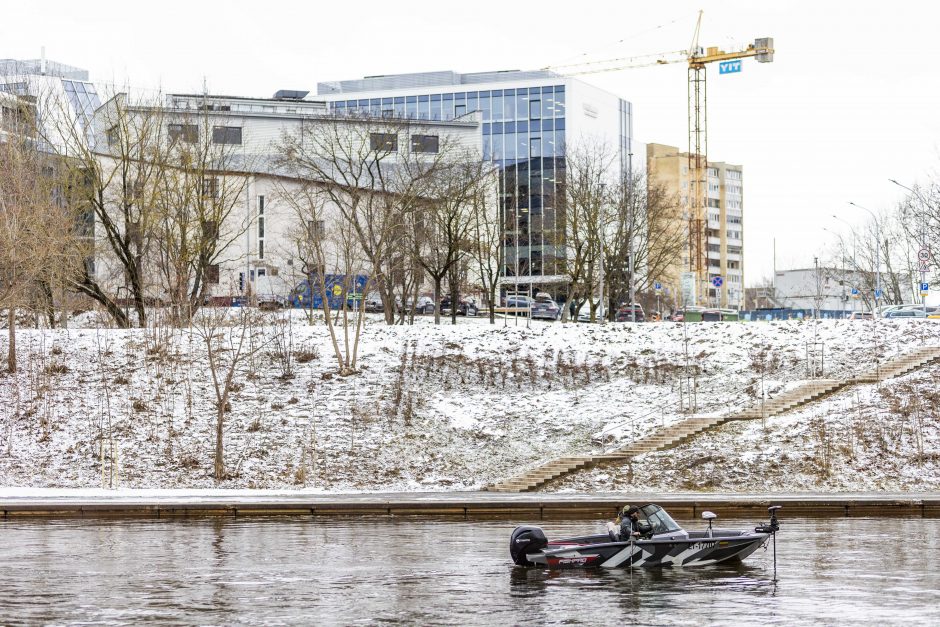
pixel 715 241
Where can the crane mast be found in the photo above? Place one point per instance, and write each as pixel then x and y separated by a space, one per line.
pixel 697 58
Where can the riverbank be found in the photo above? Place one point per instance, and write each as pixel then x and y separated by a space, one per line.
pixel 456 408
pixel 26 504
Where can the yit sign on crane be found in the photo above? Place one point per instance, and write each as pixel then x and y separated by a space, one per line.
pixel 729 67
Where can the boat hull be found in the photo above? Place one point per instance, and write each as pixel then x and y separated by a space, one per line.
pixel 649 553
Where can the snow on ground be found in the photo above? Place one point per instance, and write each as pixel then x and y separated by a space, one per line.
pixel 865 438
pixel 433 408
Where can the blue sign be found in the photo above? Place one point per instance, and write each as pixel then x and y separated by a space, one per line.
pixel 877 293
pixel 925 287
pixel 729 67
pixel 657 286
pixel 854 291
pixel 717 281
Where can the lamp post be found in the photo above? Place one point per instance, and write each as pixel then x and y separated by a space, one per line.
pixel 842 246
pixel 877 256
pixel 923 236
pixel 600 244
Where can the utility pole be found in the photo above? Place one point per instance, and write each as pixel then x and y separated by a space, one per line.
pixel 600 244
pixel 877 258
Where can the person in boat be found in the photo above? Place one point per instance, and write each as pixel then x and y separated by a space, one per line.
pixel 629 522
pixel 626 526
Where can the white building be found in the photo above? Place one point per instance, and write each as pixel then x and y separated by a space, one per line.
pixel 242 135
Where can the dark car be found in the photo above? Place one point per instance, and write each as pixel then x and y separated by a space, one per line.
pixel 544 308
pixel 626 312
pixel 466 307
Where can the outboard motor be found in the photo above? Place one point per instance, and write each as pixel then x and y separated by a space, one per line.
pixel 526 540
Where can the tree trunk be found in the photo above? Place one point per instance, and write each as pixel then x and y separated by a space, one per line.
pixel 11 355
pixel 219 442
pixel 437 299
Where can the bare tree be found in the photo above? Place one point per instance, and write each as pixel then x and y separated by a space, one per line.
pixel 486 249
pixel 36 233
pixel 228 348
pixel 199 190
pixel 443 223
pixel 373 185
pixel 333 266
pixel 644 235
pixel 112 173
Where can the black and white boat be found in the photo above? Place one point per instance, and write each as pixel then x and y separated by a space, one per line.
pixel 662 542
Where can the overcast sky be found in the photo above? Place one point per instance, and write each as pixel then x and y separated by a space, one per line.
pixel 851 99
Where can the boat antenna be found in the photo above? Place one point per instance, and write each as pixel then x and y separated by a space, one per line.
pixel 772 528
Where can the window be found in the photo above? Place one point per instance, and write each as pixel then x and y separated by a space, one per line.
pixel 714 202
pixel 114 136
pixel 262 271
pixel 210 188
pixel 260 252
pixel 315 229
pixel 261 205
pixel 226 135
pixel 188 133
pixel 260 226
pixel 212 274
pixel 384 142
pixel 425 143
pixel 210 230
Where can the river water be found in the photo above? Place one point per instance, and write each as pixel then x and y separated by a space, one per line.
pixel 273 571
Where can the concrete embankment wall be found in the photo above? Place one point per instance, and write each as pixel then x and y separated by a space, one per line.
pixel 476 506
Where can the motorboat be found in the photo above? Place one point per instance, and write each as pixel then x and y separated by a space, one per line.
pixel 661 542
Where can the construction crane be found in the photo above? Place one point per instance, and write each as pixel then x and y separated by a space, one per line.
pixel 697 59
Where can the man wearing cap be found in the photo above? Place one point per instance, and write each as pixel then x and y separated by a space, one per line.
pixel 629 522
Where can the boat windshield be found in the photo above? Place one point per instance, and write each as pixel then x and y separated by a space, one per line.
pixel 659 520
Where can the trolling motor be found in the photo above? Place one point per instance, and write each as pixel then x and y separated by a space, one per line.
pixel 772 528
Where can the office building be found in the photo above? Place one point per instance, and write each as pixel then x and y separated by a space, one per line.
pixel 529 119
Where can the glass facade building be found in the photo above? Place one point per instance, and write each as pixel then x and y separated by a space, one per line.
pixel 524 125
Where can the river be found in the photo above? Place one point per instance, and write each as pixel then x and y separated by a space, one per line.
pixel 339 571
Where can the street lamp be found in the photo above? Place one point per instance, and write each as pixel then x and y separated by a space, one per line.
pixel 923 235
pixel 877 255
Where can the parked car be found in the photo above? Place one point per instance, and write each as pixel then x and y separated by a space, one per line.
pixel 424 305
pixel 466 307
pixel 626 312
pixel 585 313
pixel 906 313
pixel 271 301
pixel 861 315
pixel 544 308
pixel 373 305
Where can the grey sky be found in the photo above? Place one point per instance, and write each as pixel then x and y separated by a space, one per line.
pixel 850 100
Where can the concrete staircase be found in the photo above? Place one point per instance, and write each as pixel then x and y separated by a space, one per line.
pixel 675 434
pixel 898 366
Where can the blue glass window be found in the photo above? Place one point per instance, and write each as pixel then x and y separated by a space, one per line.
pixel 522 105
pixel 497 106
pixel 472 101
pixel 509 147
pixel 497 147
pixel 485 106
pixel 509 104
pixel 350 104
pixel 560 124
pixel 386 101
pixel 339 108
pixel 447 104
pixel 535 147
pixel 522 147
pixel 548 147
pixel 497 128
pixel 459 110
pixel 460 97
pixel 364 104
pixel 487 128
pixel 547 125
pixel 509 127
pixel 411 107
pixel 548 103
pixel 535 109
pixel 522 127
pixel 400 107
pixel 424 108
pixel 560 101
pixel 487 148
